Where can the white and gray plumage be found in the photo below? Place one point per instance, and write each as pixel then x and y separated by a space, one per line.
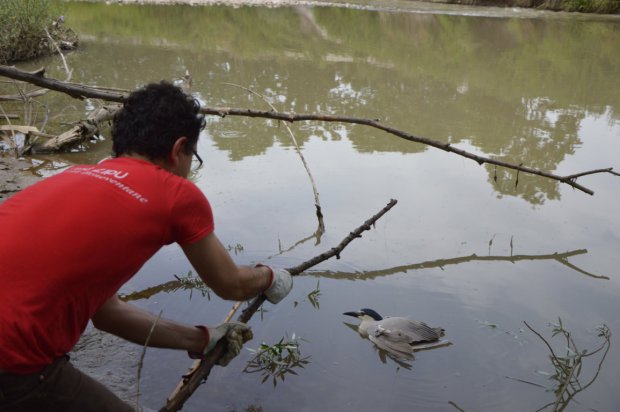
pixel 397 335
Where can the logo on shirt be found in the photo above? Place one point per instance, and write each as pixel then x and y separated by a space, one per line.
pixel 111 176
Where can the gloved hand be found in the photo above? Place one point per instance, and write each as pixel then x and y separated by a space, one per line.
pixel 281 285
pixel 235 333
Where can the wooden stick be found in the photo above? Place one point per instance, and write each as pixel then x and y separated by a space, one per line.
pixel 200 369
pixel 317 203
pixel 81 91
pixel 77 91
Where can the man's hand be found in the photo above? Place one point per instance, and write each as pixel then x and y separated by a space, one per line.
pixel 281 285
pixel 235 333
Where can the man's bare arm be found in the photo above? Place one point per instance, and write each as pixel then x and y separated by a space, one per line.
pixel 134 324
pixel 217 269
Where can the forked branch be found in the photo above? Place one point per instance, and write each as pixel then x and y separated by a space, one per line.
pixel 200 369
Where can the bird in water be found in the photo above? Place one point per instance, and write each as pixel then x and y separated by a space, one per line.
pixel 398 336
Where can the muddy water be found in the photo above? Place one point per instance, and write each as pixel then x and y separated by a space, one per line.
pixel 466 248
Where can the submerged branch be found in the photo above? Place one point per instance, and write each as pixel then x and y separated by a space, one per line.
pixel 201 369
pixel 82 91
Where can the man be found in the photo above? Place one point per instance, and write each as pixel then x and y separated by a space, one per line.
pixel 69 242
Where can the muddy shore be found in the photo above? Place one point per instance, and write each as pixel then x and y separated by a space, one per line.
pixel 12 177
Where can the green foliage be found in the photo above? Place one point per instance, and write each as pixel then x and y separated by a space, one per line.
pixel 277 361
pixel 313 296
pixel 22 32
pixel 591 6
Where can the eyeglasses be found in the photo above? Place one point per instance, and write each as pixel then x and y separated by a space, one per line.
pixel 200 162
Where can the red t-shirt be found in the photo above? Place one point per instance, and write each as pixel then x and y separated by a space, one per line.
pixel 69 242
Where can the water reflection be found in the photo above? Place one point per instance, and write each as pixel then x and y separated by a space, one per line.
pixel 191 282
pixel 561 258
pixel 507 87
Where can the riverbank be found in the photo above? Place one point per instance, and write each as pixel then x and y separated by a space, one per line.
pixel 12 177
pixel 584 6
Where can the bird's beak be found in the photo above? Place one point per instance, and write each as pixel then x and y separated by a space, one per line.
pixel 354 314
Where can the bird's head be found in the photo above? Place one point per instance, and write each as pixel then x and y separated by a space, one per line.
pixel 365 313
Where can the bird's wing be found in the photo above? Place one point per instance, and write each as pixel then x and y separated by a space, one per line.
pixel 393 341
pixel 415 331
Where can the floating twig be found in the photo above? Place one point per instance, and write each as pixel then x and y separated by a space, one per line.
pixel 146 343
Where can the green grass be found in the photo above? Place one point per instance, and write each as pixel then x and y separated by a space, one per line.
pixel 592 6
pixel 22 33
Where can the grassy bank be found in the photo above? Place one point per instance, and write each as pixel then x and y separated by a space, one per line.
pixel 23 29
pixel 583 6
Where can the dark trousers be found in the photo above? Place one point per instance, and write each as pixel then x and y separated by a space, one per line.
pixel 58 387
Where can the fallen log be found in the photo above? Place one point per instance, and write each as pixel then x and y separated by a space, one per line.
pixel 201 368
pixel 81 132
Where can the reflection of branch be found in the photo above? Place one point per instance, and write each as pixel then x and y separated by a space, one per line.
pixel 174 285
pixel 316 235
pixel 171 286
pixel 188 282
pixel 200 369
pixel 81 91
pixel 317 204
pixel 440 263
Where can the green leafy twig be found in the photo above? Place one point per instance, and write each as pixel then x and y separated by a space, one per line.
pixel 276 361
pixel 313 296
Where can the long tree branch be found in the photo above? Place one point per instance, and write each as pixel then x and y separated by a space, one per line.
pixel 81 91
pixel 447 147
pixel 201 369
pixel 38 78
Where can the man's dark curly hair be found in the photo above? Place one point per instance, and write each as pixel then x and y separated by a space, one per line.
pixel 153 118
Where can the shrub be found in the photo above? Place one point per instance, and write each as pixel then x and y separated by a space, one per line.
pixel 593 6
pixel 22 32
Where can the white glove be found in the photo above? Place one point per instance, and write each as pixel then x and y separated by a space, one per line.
pixel 281 285
pixel 235 333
